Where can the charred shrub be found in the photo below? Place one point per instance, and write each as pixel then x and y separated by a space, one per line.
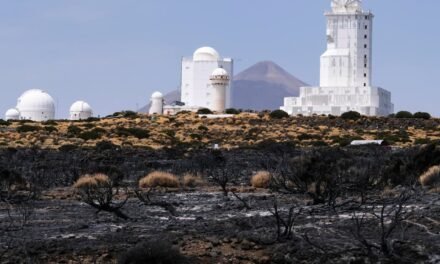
pixel 153 252
pixel 27 128
pixel 232 111
pixel 278 114
pixel 422 115
pixel 68 148
pixel 136 132
pixel 4 123
pixel 204 111
pixel 74 130
pixel 99 191
pixel 93 134
pixel 351 115
pixel 50 129
pixel 404 114
pixel 105 145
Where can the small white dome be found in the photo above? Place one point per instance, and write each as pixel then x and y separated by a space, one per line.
pixel 220 72
pixel 157 95
pixel 219 77
pixel 12 114
pixel 36 105
pixel 80 110
pixel 206 54
pixel 80 106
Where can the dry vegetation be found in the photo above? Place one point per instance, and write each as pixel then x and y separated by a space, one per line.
pixel 191 131
pixel 431 178
pixel 190 180
pixel 261 179
pixel 92 181
pixel 159 179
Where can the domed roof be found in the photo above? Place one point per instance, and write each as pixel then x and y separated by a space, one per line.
pixel 220 72
pixel 206 54
pixel 81 106
pixel 35 100
pixel 12 114
pixel 157 95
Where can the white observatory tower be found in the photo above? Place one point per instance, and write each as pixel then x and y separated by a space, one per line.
pixel 219 81
pixel 346 68
pixel 156 103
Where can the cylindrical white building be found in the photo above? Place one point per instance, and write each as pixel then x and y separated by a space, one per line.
pixel 219 81
pixel 36 105
pixel 156 103
pixel 12 114
pixel 80 110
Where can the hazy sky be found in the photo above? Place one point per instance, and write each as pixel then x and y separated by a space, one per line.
pixel 115 53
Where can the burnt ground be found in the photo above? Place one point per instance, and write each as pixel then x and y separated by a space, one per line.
pixel 211 228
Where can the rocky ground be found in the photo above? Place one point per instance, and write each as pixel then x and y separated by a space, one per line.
pixel 211 228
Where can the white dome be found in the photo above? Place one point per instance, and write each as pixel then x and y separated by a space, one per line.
pixel 80 110
pixel 219 77
pixel 157 95
pixel 36 105
pixel 12 114
pixel 206 54
pixel 220 72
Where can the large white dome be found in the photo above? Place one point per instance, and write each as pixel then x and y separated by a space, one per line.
pixel 12 114
pixel 206 54
pixel 36 105
pixel 80 110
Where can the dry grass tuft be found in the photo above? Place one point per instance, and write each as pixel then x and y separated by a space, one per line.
pixel 190 180
pixel 90 181
pixel 261 179
pixel 431 178
pixel 159 179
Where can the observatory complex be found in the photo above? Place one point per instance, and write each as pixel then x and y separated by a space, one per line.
pixel 206 83
pixel 346 68
pixel 38 105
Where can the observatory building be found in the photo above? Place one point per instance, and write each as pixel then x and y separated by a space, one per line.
pixel 35 105
pixel 206 83
pixel 80 110
pixel 12 114
pixel 197 88
pixel 346 68
pixel 156 103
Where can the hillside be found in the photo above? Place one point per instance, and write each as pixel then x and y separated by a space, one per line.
pixel 190 131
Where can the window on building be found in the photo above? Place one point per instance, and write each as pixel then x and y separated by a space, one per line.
pixel 365 36
pixel 365 75
pixel 365 65
pixel 365 46
pixel 366 17
pixel 365 85
pixel 366 27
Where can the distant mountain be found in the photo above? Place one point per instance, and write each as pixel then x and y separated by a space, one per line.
pixel 262 86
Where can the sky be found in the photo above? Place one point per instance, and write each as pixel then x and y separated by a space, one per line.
pixel 115 53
